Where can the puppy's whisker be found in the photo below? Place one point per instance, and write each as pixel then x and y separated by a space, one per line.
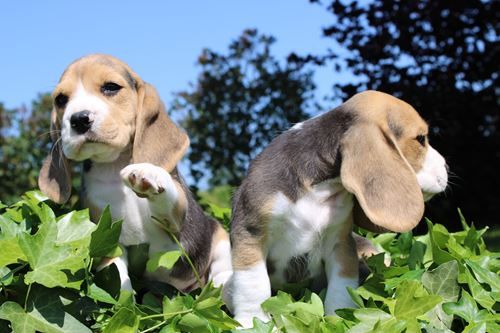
pixel 48 133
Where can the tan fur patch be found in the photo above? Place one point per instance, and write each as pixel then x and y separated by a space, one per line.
pixel 246 254
pixel 380 159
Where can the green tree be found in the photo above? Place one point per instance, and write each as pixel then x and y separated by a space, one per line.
pixel 24 142
pixel 241 101
pixel 441 57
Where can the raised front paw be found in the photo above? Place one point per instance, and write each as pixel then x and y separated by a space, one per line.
pixel 146 179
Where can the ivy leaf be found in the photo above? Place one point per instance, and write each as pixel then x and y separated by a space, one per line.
pixel 75 227
pixel 258 327
pixel 44 314
pixel 417 253
pixel 193 323
pixel 480 295
pixel 100 295
pixel 438 238
pixel 409 305
pixel 123 321
pixel 105 237
pixel 485 276
pixel 163 259
pixel 52 265
pixel 11 252
pixel 442 281
pixel 376 320
pixel 466 308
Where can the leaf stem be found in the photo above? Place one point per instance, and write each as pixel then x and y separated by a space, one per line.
pixel 171 314
pixel 154 327
pixel 26 298
pixel 195 271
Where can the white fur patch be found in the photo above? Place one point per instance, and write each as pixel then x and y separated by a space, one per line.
pixel 300 227
pixel 121 264
pixel 245 291
pixel 433 177
pixel 82 100
pixel 337 296
pixel 221 268
pixel 297 126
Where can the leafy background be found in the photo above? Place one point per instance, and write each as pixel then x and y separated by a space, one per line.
pixel 437 282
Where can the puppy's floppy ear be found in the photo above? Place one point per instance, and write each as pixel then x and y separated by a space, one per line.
pixel 383 182
pixel 54 179
pixel 157 139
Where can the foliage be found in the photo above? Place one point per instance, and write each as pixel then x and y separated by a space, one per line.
pixel 441 57
pixel 241 101
pixel 438 282
pixel 24 142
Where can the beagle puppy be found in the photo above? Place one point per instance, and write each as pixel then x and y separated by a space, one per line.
pixel 106 116
pixel 368 161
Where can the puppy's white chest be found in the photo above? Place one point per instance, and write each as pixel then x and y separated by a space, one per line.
pixel 104 186
pixel 300 229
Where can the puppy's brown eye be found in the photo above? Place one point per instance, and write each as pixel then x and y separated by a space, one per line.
pixel 61 100
pixel 421 139
pixel 110 88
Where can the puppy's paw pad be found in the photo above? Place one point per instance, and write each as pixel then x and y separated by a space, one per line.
pixel 145 179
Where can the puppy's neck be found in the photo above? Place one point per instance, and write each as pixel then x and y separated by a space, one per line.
pixel 106 172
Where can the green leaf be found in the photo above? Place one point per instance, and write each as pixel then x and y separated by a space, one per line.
pixel 9 228
pixel 258 327
pixel 11 252
pixel 100 295
pixel 417 253
pixel 412 302
pixel 442 281
pixel 123 321
pixel 105 237
pixel 163 259
pixel 45 314
pixel 485 276
pixel 52 265
pixel 193 323
pixel 439 237
pixel 137 256
pixel 5 276
pixel 376 320
pixel 466 308
pixel 75 227
pixel 410 275
pixel 478 292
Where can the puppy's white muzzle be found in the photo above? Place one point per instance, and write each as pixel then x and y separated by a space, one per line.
pixel 433 177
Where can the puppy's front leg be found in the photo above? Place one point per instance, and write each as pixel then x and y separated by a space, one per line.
pixel 342 272
pixel 167 201
pixel 249 286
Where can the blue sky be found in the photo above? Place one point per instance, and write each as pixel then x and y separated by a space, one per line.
pixel 160 40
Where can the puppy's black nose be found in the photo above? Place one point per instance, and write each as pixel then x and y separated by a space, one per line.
pixel 81 122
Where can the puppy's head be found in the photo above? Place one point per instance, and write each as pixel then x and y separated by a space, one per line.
pixel 387 162
pixel 102 109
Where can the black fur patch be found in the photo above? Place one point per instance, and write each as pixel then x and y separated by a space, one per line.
pixel 195 236
pixel 297 269
pixel 130 80
pixel 87 165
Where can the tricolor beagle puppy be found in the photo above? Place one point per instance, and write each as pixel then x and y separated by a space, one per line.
pixel 369 160
pixel 108 117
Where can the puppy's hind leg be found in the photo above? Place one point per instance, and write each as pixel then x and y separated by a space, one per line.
pixel 221 267
pixel 249 286
pixel 341 271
